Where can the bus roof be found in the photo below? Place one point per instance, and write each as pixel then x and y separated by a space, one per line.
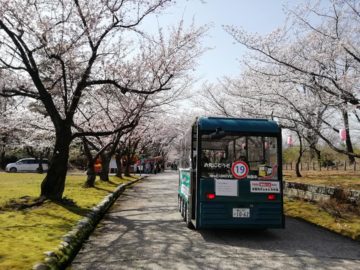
pixel 245 125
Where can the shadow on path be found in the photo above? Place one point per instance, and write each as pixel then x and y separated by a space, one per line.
pixel 144 230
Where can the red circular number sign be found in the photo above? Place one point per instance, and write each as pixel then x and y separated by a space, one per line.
pixel 239 169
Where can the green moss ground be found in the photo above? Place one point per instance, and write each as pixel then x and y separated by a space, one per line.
pixel 347 225
pixel 26 234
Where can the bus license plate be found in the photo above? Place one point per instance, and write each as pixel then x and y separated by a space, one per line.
pixel 241 212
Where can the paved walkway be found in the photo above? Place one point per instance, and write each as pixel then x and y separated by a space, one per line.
pixel 144 230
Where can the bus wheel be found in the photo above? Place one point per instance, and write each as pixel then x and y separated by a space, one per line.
pixel 188 219
pixel 183 213
pixel 179 203
pixel 182 207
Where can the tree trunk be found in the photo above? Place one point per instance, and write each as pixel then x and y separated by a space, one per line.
pixel 297 167
pixel 40 169
pixel 105 162
pixel 127 169
pixel 314 152
pixel 127 166
pixel 90 168
pixel 2 158
pixel 298 162
pixel 118 165
pixel 348 142
pixel 52 187
pixel 318 155
pixel 91 174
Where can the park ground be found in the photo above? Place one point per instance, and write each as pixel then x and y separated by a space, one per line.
pixel 145 231
pixel 27 233
pixel 340 217
pixel 334 178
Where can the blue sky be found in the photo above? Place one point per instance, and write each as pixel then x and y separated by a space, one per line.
pixel 261 16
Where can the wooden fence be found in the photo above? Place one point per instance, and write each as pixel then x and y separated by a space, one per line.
pixel 315 166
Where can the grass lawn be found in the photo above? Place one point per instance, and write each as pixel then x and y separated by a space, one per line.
pixel 343 179
pixel 26 234
pixel 348 224
pixel 332 215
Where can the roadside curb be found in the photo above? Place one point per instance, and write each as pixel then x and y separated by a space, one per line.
pixel 320 192
pixel 73 240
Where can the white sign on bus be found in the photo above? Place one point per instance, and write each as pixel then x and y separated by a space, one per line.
pixel 217 165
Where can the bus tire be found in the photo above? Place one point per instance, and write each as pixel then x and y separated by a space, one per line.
pixel 183 214
pixel 179 203
pixel 182 207
pixel 188 218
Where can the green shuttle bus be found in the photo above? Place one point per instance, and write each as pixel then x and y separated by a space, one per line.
pixel 230 174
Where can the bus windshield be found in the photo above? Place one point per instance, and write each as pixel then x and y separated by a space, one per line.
pixel 219 153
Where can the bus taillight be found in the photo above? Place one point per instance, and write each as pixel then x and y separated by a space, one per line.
pixel 271 197
pixel 210 196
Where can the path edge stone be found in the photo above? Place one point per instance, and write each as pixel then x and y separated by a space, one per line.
pixel 74 239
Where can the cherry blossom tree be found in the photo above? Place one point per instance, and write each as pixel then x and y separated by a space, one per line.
pixel 57 51
pixel 8 130
pixel 26 129
pixel 312 68
pixel 120 113
pixel 109 108
pixel 157 135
